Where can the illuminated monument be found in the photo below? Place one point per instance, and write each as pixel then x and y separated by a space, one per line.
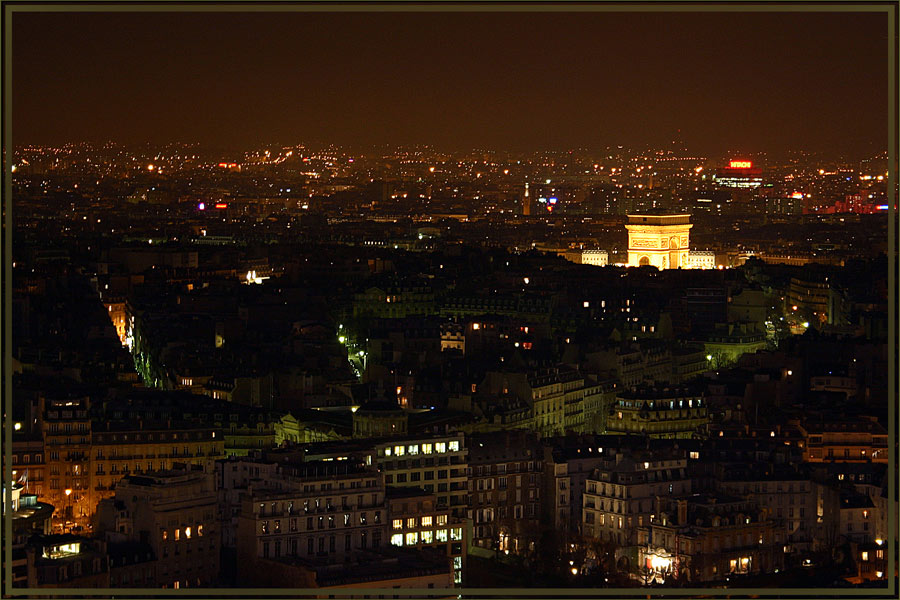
pixel 659 240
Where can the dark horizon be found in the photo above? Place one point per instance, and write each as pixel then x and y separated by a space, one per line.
pixel 741 82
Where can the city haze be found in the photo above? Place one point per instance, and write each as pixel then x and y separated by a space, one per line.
pixel 718 82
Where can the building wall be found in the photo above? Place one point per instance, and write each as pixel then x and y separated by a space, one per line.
pixel 417 522
pixel 67 449
pixel 435 464
pixel 667 418
pixel 176 513
pixel 620 498
pixel 327 517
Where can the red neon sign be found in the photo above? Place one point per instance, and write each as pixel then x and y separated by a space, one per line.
pixel 221 205
pixel 740 164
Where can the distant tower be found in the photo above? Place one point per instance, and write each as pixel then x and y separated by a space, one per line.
pixel 526 202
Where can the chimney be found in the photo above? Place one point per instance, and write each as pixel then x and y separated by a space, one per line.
pixel 682 512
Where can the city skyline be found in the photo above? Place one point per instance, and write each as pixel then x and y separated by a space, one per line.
pixel 338 303
pixel 717 82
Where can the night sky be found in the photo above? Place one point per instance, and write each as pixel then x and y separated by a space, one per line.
pixel 729 81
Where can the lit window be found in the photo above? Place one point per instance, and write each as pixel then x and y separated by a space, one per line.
pixel 397 539
pixel 426 521
pixel 442 519
pixel 410 522
pixel 387 451
pixel 440 447
pixel 454 446
pixel 177 534
pixel 187 532
pixel 200 530
pixel 441 535
pixel 865 556
pixel 426 448
pixel 413 449
pixel 165 535
pixel 412 538
pixel 456 534
pixel 398 524
pixel 399 450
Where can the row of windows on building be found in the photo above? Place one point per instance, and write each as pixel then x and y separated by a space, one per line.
pixel 426 521
pixel 416 476
pixel 427 537
pixel 275 526
pixel 186 533
pixel 67 427
pixel 426 448
pixel 316 505
pixel 313 545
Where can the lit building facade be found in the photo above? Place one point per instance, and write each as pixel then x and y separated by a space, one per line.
pixel 666 414
pixel 706 538
pixel 739 174
pixel 597 258
pixel 701 259
pixel 621 495
pixel 662 241
pixel 847 440
pixel 66 428
pixel 416 521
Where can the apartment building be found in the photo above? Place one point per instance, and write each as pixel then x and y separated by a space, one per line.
pixel 806 509
pixel 66 430
pixel 709 537
pixel 315 509
pixel 505 477
pixel 620 495
pixel 667 413
pixel 416 521
pixel 434 462
pixel 121 448
pixel 174 512
pixel 66 561
pixel 844 439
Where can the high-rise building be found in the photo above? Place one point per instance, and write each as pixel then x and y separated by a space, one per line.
pixel 739 174
pixel 526 202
